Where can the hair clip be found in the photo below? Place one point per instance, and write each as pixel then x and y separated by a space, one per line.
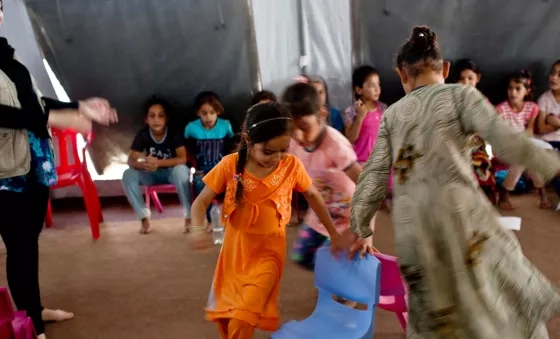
pixel 420 34
pixel 238 177
pixel 302 78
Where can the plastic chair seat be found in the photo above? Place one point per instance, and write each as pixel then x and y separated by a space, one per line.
pixel 356 280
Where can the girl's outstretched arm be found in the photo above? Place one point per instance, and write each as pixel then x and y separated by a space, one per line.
pixel 199 207
pixel 318 205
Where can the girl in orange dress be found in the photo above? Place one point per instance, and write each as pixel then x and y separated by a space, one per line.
pixel 258 182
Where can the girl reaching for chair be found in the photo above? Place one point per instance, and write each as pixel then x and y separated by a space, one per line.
pixel 258 181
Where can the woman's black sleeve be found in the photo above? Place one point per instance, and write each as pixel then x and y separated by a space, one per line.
pixel 15 118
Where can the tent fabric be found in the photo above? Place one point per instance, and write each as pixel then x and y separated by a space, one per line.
pixel 19 32
pixel 501 38
pixel 126 51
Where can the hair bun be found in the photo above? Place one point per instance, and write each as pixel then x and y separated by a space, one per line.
pixel 423 38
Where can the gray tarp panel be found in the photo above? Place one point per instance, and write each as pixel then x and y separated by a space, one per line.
pixel 501 38
pixel 17 29
pixel 327 23
pixel 276 26
pixel 327 33
pixel 128 50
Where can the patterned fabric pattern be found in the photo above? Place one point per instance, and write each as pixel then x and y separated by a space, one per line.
pixel 43 168
pixel 306 245
pixel 468 277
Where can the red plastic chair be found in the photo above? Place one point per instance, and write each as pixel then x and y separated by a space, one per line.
pixel 393 293
pixel 151 193
pixel 74 172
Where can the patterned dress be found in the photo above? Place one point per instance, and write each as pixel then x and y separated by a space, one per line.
pixel 467 275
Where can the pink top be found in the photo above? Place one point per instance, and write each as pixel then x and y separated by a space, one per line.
pixel 518 120
pixel 326 165
pixel 368 133
pixel 548 104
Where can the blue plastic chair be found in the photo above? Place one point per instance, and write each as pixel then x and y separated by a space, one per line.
pixel 357 280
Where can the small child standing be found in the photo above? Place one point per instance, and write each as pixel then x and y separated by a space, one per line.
pixel 363 118
pixel 468 73
pixel 156 158
pixel 521 114
pixel 319 147
pixel 258 181
pixel 208 138
pixel 331 114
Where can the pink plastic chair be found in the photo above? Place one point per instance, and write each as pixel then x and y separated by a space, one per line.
pixel 393 293
pixel 14 325
pixel 152 192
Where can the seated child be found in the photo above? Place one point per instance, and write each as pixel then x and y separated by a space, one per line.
pixel 263 96
pixel 156 158
pixel 319 147
pixel 208 138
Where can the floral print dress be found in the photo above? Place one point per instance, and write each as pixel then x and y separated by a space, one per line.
pixel 43 168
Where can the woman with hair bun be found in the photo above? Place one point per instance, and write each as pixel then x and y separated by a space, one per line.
pixel 467 275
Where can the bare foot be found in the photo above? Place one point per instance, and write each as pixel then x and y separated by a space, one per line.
pixel 187 226
pixel 56 315
pixel 41 336
pixel 146 226
pixel 544 204
pixel 506 205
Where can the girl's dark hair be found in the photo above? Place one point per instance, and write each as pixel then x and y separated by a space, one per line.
pixel 524 77
pixel 301 99
pixel 556 63
pixel 465 64
pixel 263 122
pixel 263 96
pixel 157 100
pixel 209 98
pixel 420 51
pixel 359 77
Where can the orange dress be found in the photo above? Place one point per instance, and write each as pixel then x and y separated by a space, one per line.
pixel 247 277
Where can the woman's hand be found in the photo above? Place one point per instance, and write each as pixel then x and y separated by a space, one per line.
pixel 199 239
pixel 98 110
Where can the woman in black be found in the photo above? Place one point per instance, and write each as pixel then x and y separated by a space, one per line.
pixel 24 185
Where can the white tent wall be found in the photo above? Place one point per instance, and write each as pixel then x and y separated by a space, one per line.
pixel 19 32
pixel 324 39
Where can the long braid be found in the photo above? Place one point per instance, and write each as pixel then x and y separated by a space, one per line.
pixel 240 168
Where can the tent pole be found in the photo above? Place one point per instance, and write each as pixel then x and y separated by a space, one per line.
pixel 355 33
pixel 303 41
pixel 254 65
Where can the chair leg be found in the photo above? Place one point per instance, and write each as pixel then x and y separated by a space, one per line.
pixel 402 317
pixel 92 190
pixel 158 204
pixel 49 217
pixel 92 212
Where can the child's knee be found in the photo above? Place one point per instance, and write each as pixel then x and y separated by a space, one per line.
pixel 131 176
pixel 179 173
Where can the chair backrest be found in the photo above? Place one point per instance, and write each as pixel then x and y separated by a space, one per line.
pixel 355 280
pixel 391 280
pixel 66 150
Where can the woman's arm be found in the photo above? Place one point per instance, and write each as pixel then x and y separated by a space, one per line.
pixel 478 116
pixel 372 186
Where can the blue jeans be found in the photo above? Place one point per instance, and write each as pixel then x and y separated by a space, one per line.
pixel 178 176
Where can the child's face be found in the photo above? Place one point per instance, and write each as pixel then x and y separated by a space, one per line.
pixel 207 115
pixel 156 118
pixel 307 129
pixel 554 78
pixel 268 154
pixel 322 92
pixel 517 92
pixel 468 77
pixel 371 90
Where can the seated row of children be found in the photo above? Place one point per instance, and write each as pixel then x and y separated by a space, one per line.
pixel 156 158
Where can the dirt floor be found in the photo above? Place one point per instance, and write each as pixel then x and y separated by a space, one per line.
pixel 152 287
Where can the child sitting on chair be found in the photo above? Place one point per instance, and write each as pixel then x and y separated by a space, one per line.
pixel 208 138
pixel 156 158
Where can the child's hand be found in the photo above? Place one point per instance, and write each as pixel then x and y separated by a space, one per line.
pixel 199 239
pixel 361 109
pixel 151 163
